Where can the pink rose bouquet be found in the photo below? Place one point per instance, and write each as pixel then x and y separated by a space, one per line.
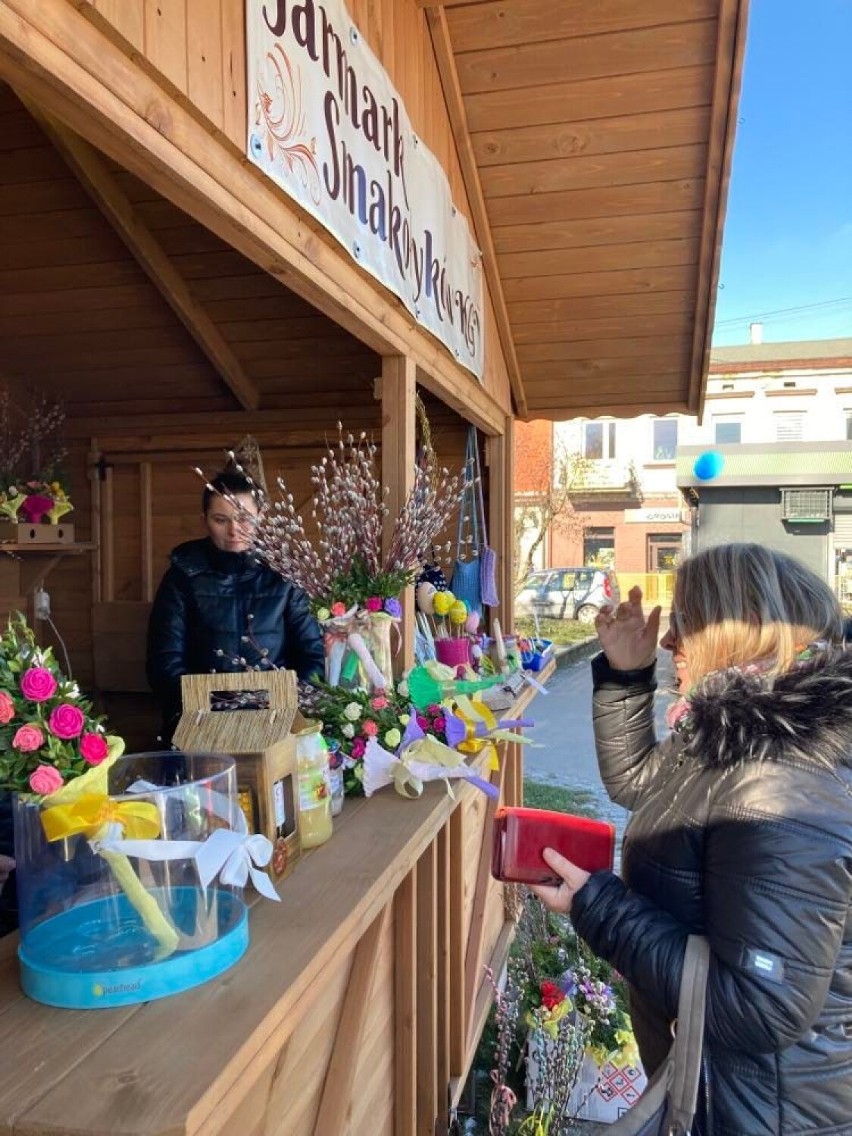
pixel 48 732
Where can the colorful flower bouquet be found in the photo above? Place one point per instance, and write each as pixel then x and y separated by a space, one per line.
pixel 48 733
pixel 566 1011
pixel 353 588
pixel 387 738
pixel 31 453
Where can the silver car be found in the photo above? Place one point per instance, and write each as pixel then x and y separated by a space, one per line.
pixel 568 593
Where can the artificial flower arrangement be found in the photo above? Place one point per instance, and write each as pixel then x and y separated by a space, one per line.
pixel 562 1009
pixel 421 729
pixel 48 733
pixel 31 455
pixel 352 587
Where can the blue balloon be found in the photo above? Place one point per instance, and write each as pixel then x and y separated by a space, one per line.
pixel 709 465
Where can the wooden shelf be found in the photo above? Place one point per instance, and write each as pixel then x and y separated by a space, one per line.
pixel 70 549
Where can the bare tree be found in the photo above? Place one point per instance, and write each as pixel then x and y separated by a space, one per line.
pixel 548 476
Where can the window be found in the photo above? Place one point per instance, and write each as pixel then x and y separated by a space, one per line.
pixel 789 425
pixel 727 429
pixel 663 551
pixel 599 441
pixel 665 439
pixel 599 547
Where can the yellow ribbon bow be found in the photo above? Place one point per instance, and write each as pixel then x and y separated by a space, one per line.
pixel 89 814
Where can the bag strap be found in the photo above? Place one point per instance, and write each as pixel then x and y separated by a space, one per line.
pixel 689 1036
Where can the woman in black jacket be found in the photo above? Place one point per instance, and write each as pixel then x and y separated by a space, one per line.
pixel 741 830
pixel 219 608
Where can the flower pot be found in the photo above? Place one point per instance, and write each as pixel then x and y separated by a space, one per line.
pixel 453 652
pixel 116 907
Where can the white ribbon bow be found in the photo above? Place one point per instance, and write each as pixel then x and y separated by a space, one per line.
pixel 234 857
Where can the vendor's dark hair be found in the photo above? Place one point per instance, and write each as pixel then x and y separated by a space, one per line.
pixel 225 484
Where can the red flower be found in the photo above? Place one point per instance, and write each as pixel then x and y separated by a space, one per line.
pixel 359 747
pixel 551 995
pixel 38 684
pixel 374 603
pixel 369 729
pixel 66 721
pixel 93 748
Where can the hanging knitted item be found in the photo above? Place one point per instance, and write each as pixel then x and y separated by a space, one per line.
pixel 487 556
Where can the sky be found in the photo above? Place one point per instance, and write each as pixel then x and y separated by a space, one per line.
pixel 787 241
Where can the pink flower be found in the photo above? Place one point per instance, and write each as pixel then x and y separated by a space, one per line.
pixel 94 749
pixel 28 739
pixel 369 729
pixel 359 748
pixel 66 721
pixel 338 608
pixel 374 603
pixel 379 702
pixel 45 780
pixel 38 684
pixel 7 708
pixel 422 722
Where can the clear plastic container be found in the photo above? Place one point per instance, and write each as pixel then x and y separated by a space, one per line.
pixel 115 912
pixel 315 824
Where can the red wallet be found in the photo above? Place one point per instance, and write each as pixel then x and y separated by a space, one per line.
pixel 521 835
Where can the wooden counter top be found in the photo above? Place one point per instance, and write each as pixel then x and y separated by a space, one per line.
pixel 167 1066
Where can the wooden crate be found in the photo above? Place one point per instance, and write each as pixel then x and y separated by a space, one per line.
pixel 12 532
pixel 261 740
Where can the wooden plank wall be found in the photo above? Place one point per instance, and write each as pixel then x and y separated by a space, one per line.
pixel 198 47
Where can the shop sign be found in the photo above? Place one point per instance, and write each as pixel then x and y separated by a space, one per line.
pixel 653 516
pixel 326 124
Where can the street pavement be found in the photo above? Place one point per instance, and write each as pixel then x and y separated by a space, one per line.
pixel 564 753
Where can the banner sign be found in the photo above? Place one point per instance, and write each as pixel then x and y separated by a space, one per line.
pixel 659 516
pixel 326 124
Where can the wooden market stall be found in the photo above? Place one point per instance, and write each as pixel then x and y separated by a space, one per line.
pixel 178 299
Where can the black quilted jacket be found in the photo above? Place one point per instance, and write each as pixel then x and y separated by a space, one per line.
pixel 743 832
pixel 200 621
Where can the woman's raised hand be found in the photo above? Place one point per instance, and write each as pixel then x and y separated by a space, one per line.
pixel 629 641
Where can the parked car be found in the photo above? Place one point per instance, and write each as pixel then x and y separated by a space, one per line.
pixel 568 593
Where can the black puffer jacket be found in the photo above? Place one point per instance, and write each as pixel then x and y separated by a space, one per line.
pixel 743 832
pixel 209 601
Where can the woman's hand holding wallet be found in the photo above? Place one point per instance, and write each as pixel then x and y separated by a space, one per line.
pixel 560 898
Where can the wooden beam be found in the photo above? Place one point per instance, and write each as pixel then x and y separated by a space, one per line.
pixel 65 64
pixel 94 176
pixel 730 54
pixel 399 388
pixel 476 932
pixel 426 984
pixel 405 1007
pixel 444 57
pixel 500 460
pixel 336 1099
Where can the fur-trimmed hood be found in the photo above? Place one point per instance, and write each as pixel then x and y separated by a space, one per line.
pixel 804 715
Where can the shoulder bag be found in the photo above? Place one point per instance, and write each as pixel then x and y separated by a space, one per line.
pixel 667 1106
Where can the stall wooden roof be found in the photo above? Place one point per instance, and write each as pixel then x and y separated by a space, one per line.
pixel 595 140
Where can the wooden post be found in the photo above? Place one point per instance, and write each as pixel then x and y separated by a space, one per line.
pixel 398 456
pixel 146 512
pixel 405 1007
pixel 499 457
pixel 427 993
